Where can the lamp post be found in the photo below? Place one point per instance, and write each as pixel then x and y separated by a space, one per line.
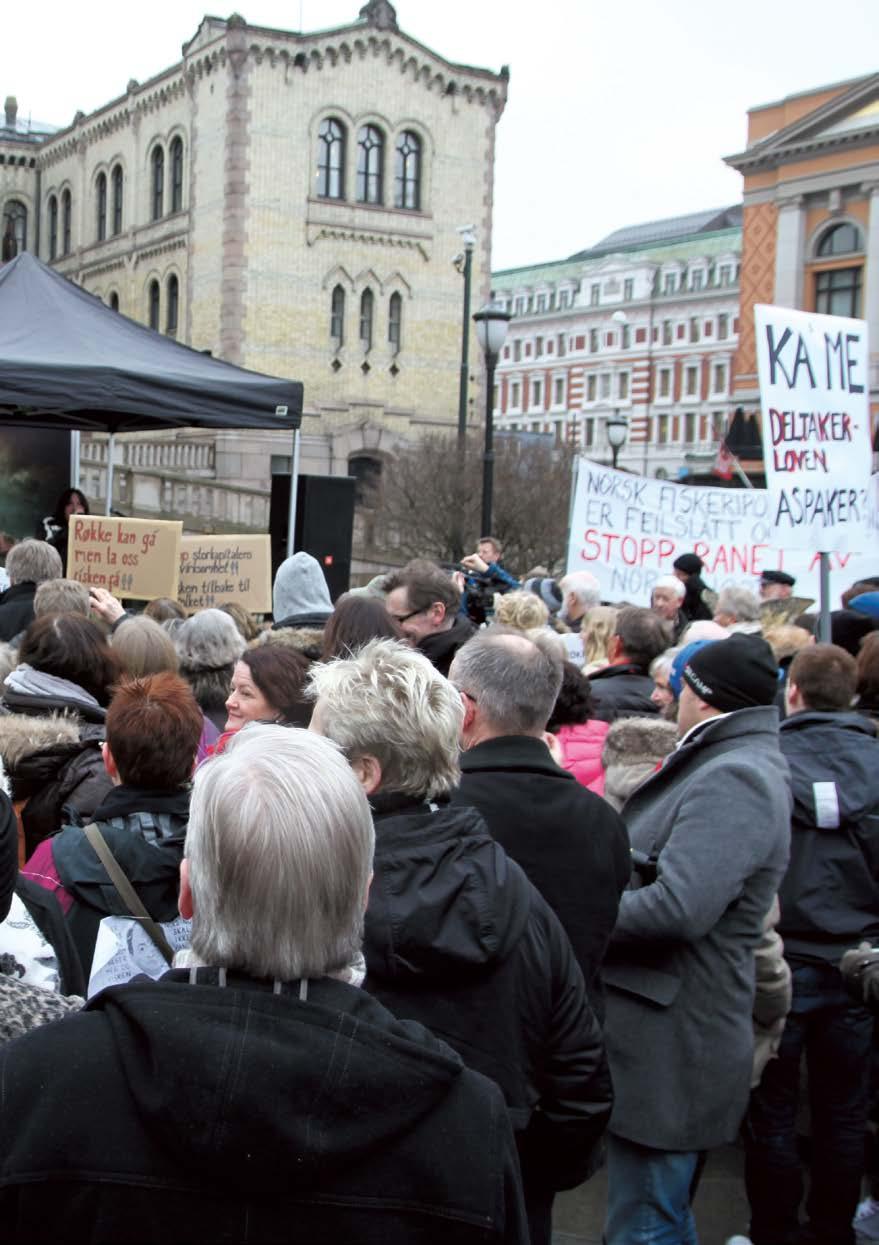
pixel 617 431
pixel 491 330
pixel 464 264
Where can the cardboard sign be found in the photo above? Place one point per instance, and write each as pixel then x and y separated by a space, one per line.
pixel 218 569
pixel 627 530
pixel 817 446
pixel 135 558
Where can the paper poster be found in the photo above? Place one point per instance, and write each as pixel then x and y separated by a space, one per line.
pixel 135 558
pixel 218 569
pixel 124 950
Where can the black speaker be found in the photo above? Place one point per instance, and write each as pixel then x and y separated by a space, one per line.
pixel 324 524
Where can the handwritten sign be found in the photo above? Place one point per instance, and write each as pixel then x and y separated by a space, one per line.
pixel 627 530
pixel 135 558
pixel 816 427
pixel 217 569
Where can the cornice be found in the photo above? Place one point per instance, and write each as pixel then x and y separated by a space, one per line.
pixel 140 103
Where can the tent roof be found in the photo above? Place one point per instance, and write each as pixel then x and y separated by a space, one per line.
pixel 68 361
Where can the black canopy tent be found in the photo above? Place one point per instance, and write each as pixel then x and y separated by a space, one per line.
pixel 69 362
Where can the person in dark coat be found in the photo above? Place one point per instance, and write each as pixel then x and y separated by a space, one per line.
pixel 623 688
pixel 56 526
pixel 829 903
pixel 571 843
pixel 426 603
pixel 256 1094
pixel 28 564
pixel 688 568
pixel 456 936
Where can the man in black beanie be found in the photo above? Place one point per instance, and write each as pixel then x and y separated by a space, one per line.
pixel 688 568
pixel 710 834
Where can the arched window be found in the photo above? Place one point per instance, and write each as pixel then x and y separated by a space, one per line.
pixel 337 316
pixel 331 159
pixel 367 471
pixel 114 301
pixel 153 298
pixel 172 299
pixel 841 239
pixel 14 229
pixel 367 308
pixel 395 323
pixel 177 175
pixel 117 199
pixel 370 157
pixel 407 172
pixel 157 161
pixel 838 292
pixel 53 227
pixel 101 188
pixel 66 221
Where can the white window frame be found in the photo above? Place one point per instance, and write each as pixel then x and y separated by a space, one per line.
pixel 556 381
pixel 514 400
pixel 627 376
pixel 532 404
pixel 724 392
pixel 691 370
pixel 660 398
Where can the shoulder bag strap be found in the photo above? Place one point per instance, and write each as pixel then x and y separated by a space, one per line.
pixel 126 891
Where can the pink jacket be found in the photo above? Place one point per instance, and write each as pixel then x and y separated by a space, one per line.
pixel 581 749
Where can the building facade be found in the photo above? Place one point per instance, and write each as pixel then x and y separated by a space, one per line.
pixel 644 325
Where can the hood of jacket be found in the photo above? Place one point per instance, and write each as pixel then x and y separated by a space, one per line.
pixel 23 736
pixel 445 898
pixel 301 590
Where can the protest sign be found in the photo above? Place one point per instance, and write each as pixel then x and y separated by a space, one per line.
pixel 135 558
pixel 216 569
pixel 627 530
pixel 817 446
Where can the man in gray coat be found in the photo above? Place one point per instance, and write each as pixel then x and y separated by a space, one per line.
pixel 710 836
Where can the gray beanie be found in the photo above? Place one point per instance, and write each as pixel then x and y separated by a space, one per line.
pixel 301 596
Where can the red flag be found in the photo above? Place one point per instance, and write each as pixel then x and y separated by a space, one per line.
pixel 723 463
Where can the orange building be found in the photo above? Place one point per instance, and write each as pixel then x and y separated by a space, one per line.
pixel 811 215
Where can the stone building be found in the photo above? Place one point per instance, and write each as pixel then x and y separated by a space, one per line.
pixel 292 203
pixel 645 325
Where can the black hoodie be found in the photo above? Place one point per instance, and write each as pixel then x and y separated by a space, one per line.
pixel 176 1112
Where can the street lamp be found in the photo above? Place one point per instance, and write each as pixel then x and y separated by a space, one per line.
pixel 617 431
pixel 463 262
pixel 491 330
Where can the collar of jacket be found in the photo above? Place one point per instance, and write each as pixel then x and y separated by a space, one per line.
pixel 394 804
pixel 841 719
pixel 26 589
pixel 742 724
pixel 610 672
pixel 124 800
pixel 522 753
pixel 437 643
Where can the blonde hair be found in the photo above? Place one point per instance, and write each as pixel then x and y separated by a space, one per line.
pixel 597 630
pixel 520 610
pixel 787 640
pixel 143 647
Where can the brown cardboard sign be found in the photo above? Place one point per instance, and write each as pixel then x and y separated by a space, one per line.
pixel 215 570
pixel 135 558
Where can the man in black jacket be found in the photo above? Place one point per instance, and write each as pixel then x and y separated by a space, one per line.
pixel 829 902
pixel 456 936
pixel 257 1095
pixel 623 688
pixel 571 843
pixel 28 564
pixel 426 604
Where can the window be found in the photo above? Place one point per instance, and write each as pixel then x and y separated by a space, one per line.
pixel 538 347
pixel 515 395
pixel 395 322
pixel 838 293
pixel 558 391
pixel 536 394
pixel 591 387
pixel 691 382
pixel 337 316
pixel 66 220
pixel 114 301
pixel 722 327
pixel 157 184
pixel 718 425
pixel 370 156
pixel 697 279
pixel 595 294
pixel 666 332
pixel 331 159
pixel 623 386
pixel 561 349
pixel 116 178
pixel 153 300
pixel 367 471
pixel 626 336
pixel 407 172
pixel 367 308
pixel 669 283
pixel 564 299
pixel 593 341
pixel 718 378
pixel 541 303
pixel 628 290
pixel 839 240
pixel 172 308
pixel 101 189
pixel 604 385
pixel 662 430
pixel 519 308
pixel 14 229
pixel 588 433
pixel 724 274
pixel 177 175
pixel 694 329
pixel 53 227
pixel 663 383
pixel 689 428
pixel 517 350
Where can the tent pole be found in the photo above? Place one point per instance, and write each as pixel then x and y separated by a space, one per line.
pixel 294 489
pixel 111 445
pixel 74 460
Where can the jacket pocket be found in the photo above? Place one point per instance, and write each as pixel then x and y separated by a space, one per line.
pixel 652 984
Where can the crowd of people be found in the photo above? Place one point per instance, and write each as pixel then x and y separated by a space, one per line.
pixel 390 918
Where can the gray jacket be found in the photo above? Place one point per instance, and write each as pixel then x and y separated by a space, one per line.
pixel 680 973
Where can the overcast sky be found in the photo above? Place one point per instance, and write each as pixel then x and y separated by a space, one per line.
pixel 618 112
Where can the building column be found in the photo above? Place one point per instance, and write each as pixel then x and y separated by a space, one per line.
pixel 871 281
pixel 789 256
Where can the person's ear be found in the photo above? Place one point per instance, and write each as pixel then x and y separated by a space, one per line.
pixel 793 698
pixel 109 762
pixel 368 772
pixel 469 714
pixel 184 899
pixel 437 612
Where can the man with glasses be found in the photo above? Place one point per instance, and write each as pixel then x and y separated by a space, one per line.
pixel 425 602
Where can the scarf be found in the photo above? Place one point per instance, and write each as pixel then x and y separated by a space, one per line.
pixel 27 681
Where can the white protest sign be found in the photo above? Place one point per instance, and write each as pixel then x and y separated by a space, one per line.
pixel 817 446
pixel 627 530
pixel 214 569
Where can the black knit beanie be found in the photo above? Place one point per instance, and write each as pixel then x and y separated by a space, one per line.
pixel 689 563
pixel 8 854
pixel 737 673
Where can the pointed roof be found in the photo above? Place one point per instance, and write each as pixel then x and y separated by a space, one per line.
pixel 68 361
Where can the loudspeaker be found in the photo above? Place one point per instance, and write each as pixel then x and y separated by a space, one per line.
pixel 324 524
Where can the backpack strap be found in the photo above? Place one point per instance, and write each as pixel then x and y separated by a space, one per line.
pixel 126 891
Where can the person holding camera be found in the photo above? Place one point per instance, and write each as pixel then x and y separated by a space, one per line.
pixel 483 577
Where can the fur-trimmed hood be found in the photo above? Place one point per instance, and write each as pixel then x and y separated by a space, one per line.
pixel 632 751
pixel 22 735
pixel 306 640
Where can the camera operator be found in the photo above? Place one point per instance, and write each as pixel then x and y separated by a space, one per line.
pixel 484 577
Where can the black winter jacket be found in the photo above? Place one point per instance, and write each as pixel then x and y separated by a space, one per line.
pixel 830 893
pixel 572 845
pixel 175 1112
pixel 16 610
pixel 440 647
pixel 622 692
pixel 457 938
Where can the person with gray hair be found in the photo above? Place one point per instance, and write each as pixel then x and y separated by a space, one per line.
pixel 581 592
pixel 254 1093
pixel 569 842
pixel 208 645
pixel 62 596
pixel 738 609
pixel 456 936
pixel 28 564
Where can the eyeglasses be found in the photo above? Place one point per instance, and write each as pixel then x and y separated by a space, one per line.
pixel 401 618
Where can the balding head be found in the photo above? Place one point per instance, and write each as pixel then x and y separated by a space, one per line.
pixel 509 684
